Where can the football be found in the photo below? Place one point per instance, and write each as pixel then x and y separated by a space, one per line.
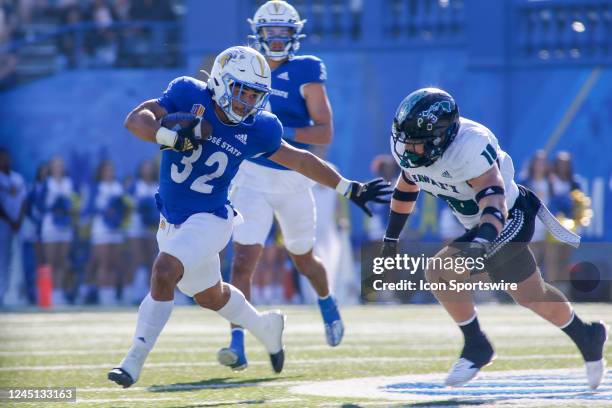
pixel 180 120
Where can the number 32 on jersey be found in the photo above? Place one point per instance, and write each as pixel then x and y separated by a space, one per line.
pixel 200 184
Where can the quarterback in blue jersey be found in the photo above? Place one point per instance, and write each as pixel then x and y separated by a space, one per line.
pixel 263 189
pixel 226 125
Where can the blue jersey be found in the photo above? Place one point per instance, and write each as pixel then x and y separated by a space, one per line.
pixel 287 101
pixel 198 181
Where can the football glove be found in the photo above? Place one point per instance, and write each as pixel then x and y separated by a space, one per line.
pixel 478 248
pixel 363 193
pixel 186 138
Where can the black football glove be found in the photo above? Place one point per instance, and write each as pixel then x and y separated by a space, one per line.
pixel 373 190
pixel 478 248
pixel 389 248
pixel 186 139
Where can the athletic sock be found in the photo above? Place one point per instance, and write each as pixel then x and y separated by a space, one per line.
pixel 237 339
pixel 239 311
pixel 576 329
pixel 471 329
pixel 477 347
pixel 326 301
pixel 152 317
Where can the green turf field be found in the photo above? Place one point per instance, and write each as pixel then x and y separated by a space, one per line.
pixel 77 348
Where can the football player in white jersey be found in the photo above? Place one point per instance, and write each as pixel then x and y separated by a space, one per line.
pixel 264 190
pixel 461 162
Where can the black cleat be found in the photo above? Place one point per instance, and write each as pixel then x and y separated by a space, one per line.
pixel 277 360
pixel 479 351
pixel 592 348
pixel 121 377
pixel 476 353
pixel 592 351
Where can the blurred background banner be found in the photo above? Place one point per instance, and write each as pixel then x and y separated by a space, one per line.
pixel 537 73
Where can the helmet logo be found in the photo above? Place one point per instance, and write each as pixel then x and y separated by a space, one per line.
pixel 430 113
pixel 228 56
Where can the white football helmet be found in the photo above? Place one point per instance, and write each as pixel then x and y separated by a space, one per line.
pixel 237 69
pixel 276 13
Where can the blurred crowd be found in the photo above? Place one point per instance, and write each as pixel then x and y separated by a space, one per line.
pixel 94 33
pixel 96 241
pixel 557 186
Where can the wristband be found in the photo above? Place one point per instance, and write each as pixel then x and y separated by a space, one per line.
pixel 197 130
pixel 166 137
pixel 343 186
pixel 487 232
pixel 495 212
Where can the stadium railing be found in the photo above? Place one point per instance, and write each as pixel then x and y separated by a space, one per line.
pixel 563 30
pixel 543 31
pixel 45 49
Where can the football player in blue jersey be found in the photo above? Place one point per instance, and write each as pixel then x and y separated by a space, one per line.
pixel 263 189
pixel 198 163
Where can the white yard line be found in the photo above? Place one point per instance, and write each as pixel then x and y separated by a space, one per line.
pixel 294 346
pixel 182 399
pixel 310 361
pixel 194 387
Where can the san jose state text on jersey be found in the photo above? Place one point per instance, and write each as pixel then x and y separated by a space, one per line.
pixel 198 181
pixel 287 100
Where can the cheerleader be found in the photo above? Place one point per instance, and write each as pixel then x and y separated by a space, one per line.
pixel 538 180
pixel 57 202
pixel 563 188
pixel 142 225
pixel 107 210
pixel 33 254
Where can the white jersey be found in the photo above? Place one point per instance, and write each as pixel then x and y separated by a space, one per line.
pixel 107 191
pixel 101 232
pixel 52 229
pixel 56 189
pixel 474 151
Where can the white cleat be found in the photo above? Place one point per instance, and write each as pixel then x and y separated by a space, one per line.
pixel 462 372
pixel 132 363
pixel 272 336
pixel 595 371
